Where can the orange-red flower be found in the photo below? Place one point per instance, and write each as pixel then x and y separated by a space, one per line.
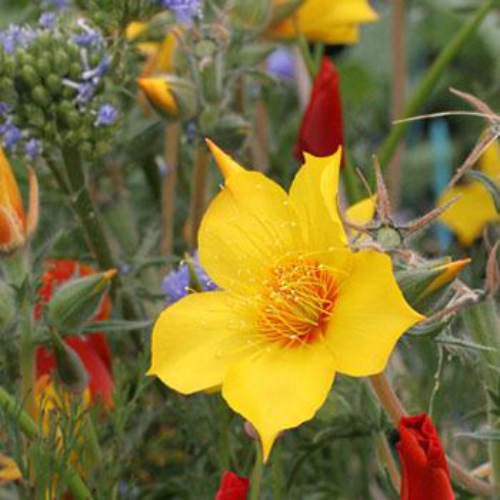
pixel 424 469
pixel 15 225
pixel 321 131
pixel 232 487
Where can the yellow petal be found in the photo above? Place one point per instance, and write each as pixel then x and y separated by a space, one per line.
pixel 197 339
pixel 362 212
pixel 314 193
pixel 9 471
pixel 470 214
pixel 226 164
pixel 489 162
pixel 159 94
pixel 369 316
pixel 327 21
pixel 165 58
pixel 249 226
pixel 279 388
pixel 10 197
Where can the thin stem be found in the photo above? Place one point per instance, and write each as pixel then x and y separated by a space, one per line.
pixel 352 187
pixel 169 182
pixel 385 454
pixel 429 80
pixel 278 473
pixel 257 473
pixel 392 405
pixel 29 428
pixel 260 146
pixel 198 194
pixel 398 94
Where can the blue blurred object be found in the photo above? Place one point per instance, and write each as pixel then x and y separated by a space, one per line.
pixel 281 63
pixel 441 145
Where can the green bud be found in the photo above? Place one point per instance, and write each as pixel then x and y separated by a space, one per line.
pixel 30 76
pixel 7 305
pixel 7 91
pixel 205 48
pixel 75 71
pixel 69 366
pixel 35 116
pixel 252 55
pixel 211 73
pixel 53 84
pixel 23 58
pixel 230 131
pixel 389 238
pixel 61 62
pixel 40 96
pixel 251 16
pixel 77 301
pixel 43 66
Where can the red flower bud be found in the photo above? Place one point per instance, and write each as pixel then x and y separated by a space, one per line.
pixel 232 487
pixel 321 131
pixel 424 469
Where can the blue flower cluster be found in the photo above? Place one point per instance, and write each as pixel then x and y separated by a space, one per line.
pixel 184 10
pixel 177 284
pixel 54 73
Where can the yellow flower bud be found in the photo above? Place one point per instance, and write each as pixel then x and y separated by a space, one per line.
pixel 15 225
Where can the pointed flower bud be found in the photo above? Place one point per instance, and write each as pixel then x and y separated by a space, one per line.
pixel 70 369
pixel 77 301
pixel 422 284
pixel 15 225
pixel 321 130
pixel 170 96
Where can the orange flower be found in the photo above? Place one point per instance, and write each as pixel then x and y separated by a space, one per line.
pixel 15 225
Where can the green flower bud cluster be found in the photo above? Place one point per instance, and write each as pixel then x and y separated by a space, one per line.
pixel 53 87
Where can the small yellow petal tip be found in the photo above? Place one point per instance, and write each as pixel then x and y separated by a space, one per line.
pixel 226 164
pixel 108 275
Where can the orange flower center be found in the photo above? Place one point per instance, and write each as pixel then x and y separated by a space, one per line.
pixel 297 302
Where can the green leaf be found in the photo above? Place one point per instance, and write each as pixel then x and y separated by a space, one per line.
pixel 492 187
pixel 117 326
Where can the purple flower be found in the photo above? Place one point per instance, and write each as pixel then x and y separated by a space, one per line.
pixel 281 64
pixel 89 37
pixel 32 149
pixel 177 285
pixel 86 91
pixel 184 10
pixel 16 36
pixel 5 108
pixel 106 115
pixel 48 20
pixel 59 4
pixel 11 135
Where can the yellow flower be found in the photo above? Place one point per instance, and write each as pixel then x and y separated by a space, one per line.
pixel 297 304
pixel 9 471
pixel 15 225
pixel 327 21
pixel 160 57
pixel 475 208
pixel 447 273
pixel 159 94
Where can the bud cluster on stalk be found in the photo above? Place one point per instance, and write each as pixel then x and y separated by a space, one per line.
pixel 53 88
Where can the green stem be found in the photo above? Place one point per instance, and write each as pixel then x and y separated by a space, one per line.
pixel 484 325
pixel 16 270
pixel 351 182
pixel 30 429
pixel 277 473
pixel 428 82
pixel 306 55
pixel 82 204
pixel 257 473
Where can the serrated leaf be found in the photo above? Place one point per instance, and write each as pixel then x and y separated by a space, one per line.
pixel 492 187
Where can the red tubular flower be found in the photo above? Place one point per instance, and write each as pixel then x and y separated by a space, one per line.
pixel 93 350
pixel 321 131
pixel 424 468
pixel 232 487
